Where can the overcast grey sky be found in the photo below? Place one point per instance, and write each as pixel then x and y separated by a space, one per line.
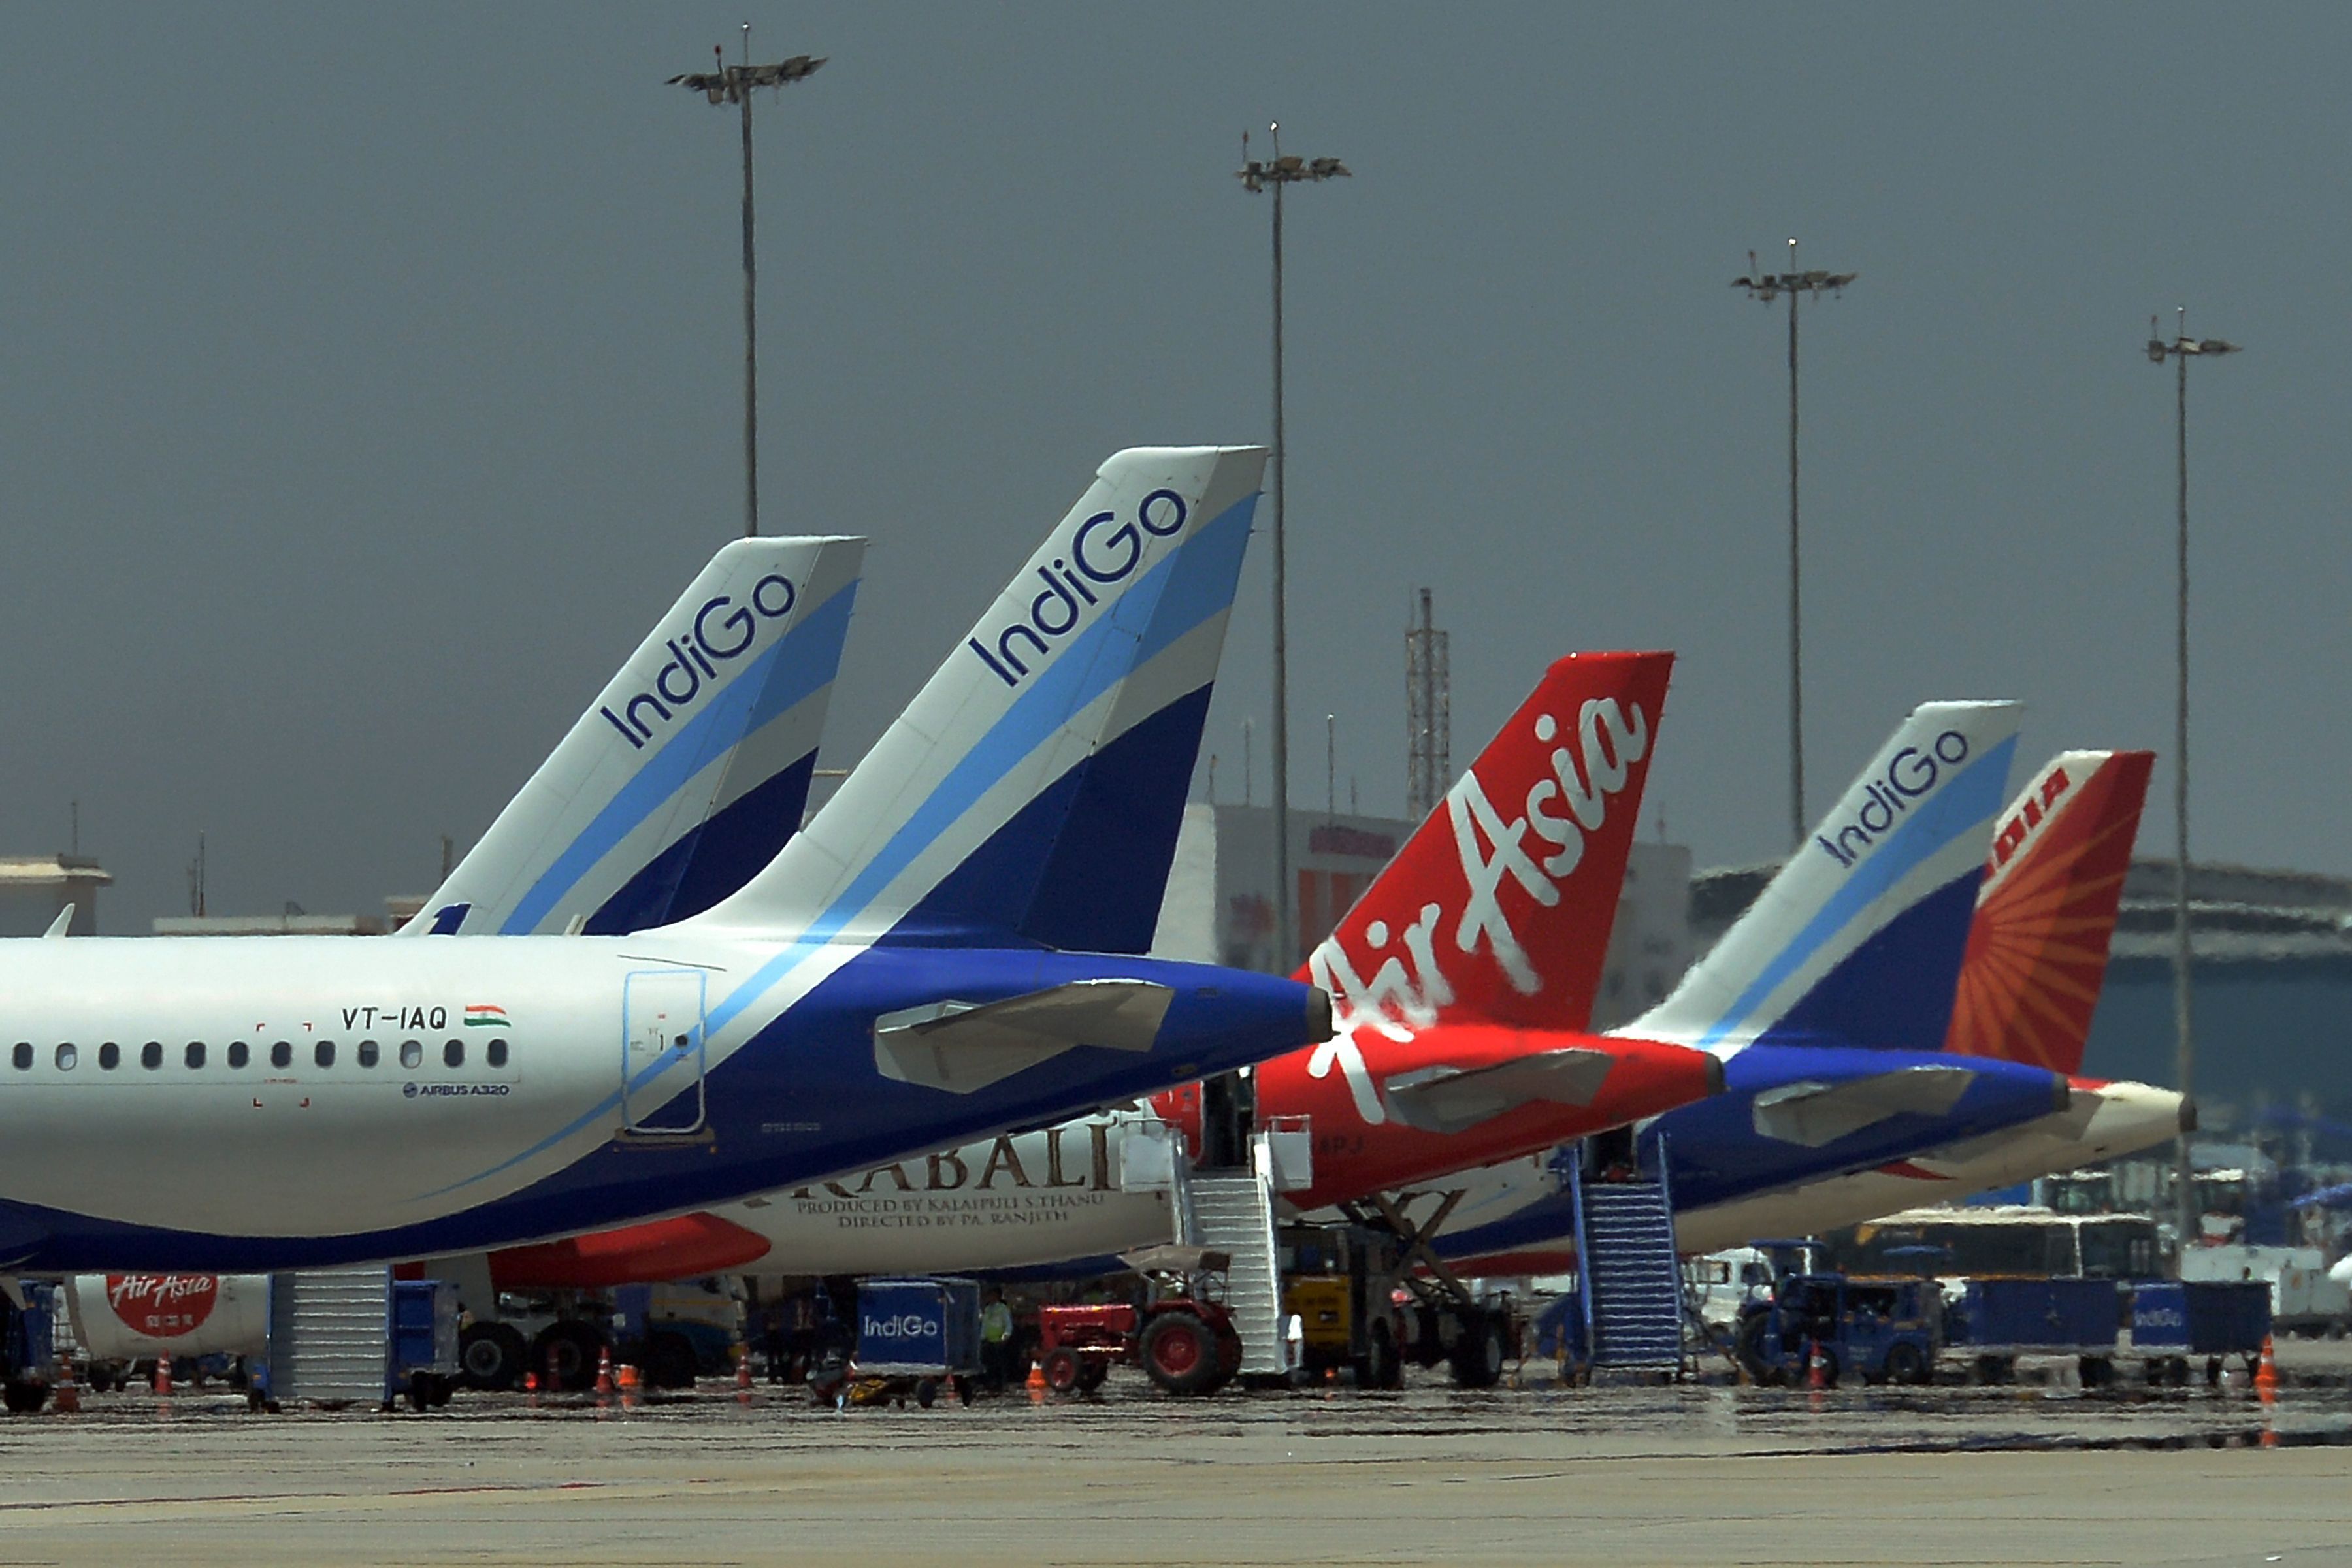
pixel 371 380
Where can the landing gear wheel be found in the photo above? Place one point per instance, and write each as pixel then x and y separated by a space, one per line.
pixel 1906 1364
pixel 1476 1360
pixel 1180 1352
pixel 566 1352
pixel 1064 1372
pixel 669 1362
pixel 491 1356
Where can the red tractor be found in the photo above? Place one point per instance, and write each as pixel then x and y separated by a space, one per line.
pixel 1182 1335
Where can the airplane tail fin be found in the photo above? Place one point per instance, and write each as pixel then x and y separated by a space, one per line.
pixel 1032 790
pixel 1499 906
pixel 2037 951
pixel 690 769
pixel 1857 941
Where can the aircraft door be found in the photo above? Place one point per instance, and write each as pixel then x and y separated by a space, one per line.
pixel 662 1052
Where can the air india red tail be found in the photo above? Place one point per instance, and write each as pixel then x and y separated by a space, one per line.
pixel 2037 952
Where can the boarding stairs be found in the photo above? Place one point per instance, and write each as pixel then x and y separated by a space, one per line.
pixel 329 1335
pixel 1231 1210
pixel 1631 1276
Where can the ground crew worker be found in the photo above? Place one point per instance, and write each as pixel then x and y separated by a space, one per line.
pixel 996 1340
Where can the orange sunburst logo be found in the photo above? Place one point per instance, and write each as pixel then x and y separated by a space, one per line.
pixel 2037 951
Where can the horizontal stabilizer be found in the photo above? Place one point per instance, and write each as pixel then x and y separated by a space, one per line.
pixel 1450 1100
pixel 961 1047
pixel 1811 1113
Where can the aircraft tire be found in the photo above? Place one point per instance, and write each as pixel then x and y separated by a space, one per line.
pixel 1180 1352
pixel 490 1357
pixel 576 1345
pixel 1477 1360
pixel 669 1362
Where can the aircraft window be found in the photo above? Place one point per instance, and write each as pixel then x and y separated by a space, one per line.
pixel 109 1055
pixel 323 1053
pixel 498 1052
pixel 454 1053
pixel 239 1054
pixel 367 1053
pixel 281 1055
pixel 412 1053
pixel 23 1055
pixel 66 1058
pixel 150 1055
pixel 195 1053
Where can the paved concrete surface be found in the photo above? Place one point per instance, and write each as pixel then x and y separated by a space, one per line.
pixel 1623 1477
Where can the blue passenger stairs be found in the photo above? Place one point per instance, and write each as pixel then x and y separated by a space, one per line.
pixel 1631 1274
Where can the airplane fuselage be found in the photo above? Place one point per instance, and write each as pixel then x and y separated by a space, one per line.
pixel 236 1103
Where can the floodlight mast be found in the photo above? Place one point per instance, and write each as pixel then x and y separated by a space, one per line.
pixel 1256 175
pixel 1765 288
pixel 733 84
pixel 2180 351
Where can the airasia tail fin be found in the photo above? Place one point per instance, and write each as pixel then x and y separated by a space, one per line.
pixel 1499 907
pixel 2037 950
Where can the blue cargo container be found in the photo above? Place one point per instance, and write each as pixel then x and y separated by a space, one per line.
pixel 2036 1317
pixel 925 1328
pixel 421 1349
pixel 2174 1321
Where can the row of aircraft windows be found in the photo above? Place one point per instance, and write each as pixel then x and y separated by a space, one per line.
pixel 281 1053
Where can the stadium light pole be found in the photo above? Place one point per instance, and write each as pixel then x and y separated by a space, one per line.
pixel 733 84
pixel 1766 286
pixel 2180 351
pixel 1256 175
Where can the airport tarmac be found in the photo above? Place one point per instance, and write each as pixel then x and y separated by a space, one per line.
pixel 1627 1477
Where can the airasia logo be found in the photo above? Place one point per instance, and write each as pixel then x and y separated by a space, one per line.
pixel 162 1306
pixel 1538 850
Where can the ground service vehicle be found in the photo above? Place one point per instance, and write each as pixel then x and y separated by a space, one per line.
pixel 1341 1282
pixel 1179 1333
pixel 1878 1331
pixel 2173 1321
pixel 915 1337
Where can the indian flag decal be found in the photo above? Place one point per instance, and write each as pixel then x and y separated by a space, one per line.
pixel 484 1016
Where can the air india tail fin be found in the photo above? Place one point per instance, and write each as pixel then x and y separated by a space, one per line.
pixel 1857 941
pixel 1033 788
pixel 1499 907
pixel 2037 951
pixel 690 769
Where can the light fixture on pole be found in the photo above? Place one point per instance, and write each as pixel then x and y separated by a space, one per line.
pixel 734 84
pixel 1256 175
pixel 2180 351
pixel 1768 287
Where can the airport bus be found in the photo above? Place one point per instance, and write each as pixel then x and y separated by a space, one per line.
pixel 2002 1240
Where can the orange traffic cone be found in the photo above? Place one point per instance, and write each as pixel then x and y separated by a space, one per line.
pixel 2266 1372
pixel 530 1387
pixel 1036 1384
pixel 1817 1366
pixel 604 1372
pixel 68 1396
pixel 630 1380
pixel 163 1376
pixel 742 1369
